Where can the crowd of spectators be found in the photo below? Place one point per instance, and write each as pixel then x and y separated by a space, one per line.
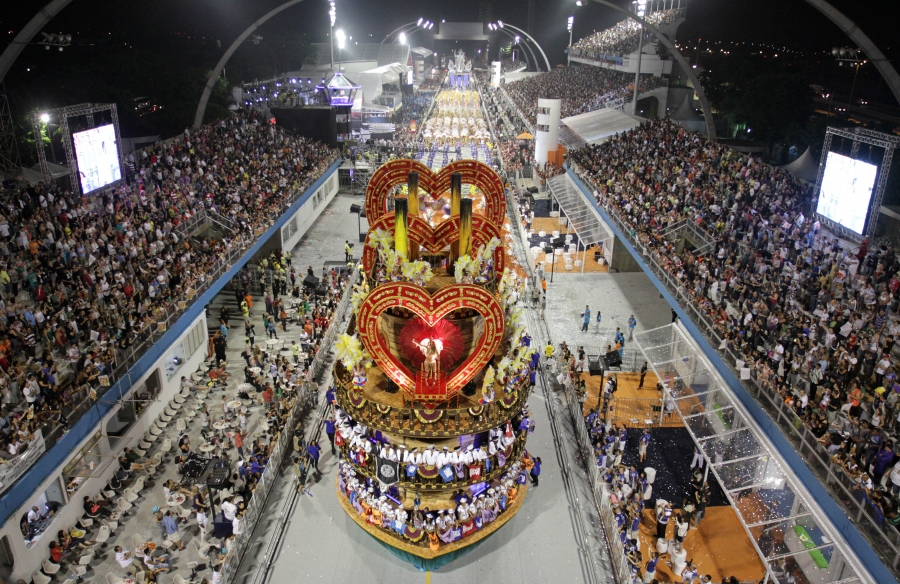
pixel 582 88
pixel 813 320
pixel 84 278
pixel 621 39
pixel 508 64
pixel 432 83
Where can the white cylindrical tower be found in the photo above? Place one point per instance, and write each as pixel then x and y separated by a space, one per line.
pixel 496 72
pixel 546 135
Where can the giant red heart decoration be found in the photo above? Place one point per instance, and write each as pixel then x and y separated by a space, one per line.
pixel 435 239
pixel 474 172
pixel 431 309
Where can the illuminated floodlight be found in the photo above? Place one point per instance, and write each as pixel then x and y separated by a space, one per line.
pixel 332 12
pixel 500 23
pixel 402 38
pixel 341 37
pixel 570 23
pixel 578 3
pixel 641 7
pixel 419 23
pixel 517 39
pixel 45 118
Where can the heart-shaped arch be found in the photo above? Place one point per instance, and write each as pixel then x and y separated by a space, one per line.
pixel 474 172
pixel 435 239
pixel 430 309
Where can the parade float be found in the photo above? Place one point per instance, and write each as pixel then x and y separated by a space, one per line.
pixel 433 374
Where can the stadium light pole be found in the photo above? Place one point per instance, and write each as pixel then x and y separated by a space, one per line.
pixel 332 14
pixel 501 24
pixel 640 10
pixel 409 27
pixel 570 23
pixel 341 37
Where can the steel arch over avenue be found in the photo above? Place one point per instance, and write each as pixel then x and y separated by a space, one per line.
pixel 887 70
pixel 701 95
pixel 211 82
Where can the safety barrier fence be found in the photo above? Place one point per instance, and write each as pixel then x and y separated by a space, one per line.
pixel 306 400
pixel 166 315
pixel 595 569
pixel 883 536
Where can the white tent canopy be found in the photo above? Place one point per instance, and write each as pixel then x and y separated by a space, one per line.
pixel 805 167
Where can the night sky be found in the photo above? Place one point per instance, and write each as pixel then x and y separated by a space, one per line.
pixel 792 23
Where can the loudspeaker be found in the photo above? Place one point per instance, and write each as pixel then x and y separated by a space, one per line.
pixel 613 359
pixel 218 478
pixel 310 282
pixel 321 290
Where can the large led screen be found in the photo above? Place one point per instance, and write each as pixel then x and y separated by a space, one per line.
pixel 846 191
pixel 98 157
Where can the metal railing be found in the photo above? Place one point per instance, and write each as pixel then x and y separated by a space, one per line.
pixel 306 400
pixel 120 379
pixel 882 536
pixel 594 570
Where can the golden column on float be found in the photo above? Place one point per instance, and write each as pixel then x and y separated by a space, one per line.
pixel 401 235
pixel 412 199
pixel 455 199
pixel 465 227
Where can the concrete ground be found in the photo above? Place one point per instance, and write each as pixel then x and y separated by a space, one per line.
pixel 616 296
pixel 322 544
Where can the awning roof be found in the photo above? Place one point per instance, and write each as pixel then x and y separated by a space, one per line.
pixel 581 214
pixel 599 125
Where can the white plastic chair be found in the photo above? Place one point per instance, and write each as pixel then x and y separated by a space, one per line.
pixel 39 577
pixel 138 486
pixel 103 535
pixel 129 495
pixel 49 568
pixel 180 425
pixel 112 579
pixel 122 505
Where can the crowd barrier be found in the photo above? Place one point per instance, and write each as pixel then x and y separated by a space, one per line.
pixel 306 401
pixel 883 537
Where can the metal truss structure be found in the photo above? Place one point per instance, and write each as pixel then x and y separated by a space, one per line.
pixel 63 114
pixel 9 149
pixel 859 136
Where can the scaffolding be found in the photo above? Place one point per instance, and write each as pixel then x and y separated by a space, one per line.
pixel 86 110
pixel 9 150
pixel 788 530
pixel 871 138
